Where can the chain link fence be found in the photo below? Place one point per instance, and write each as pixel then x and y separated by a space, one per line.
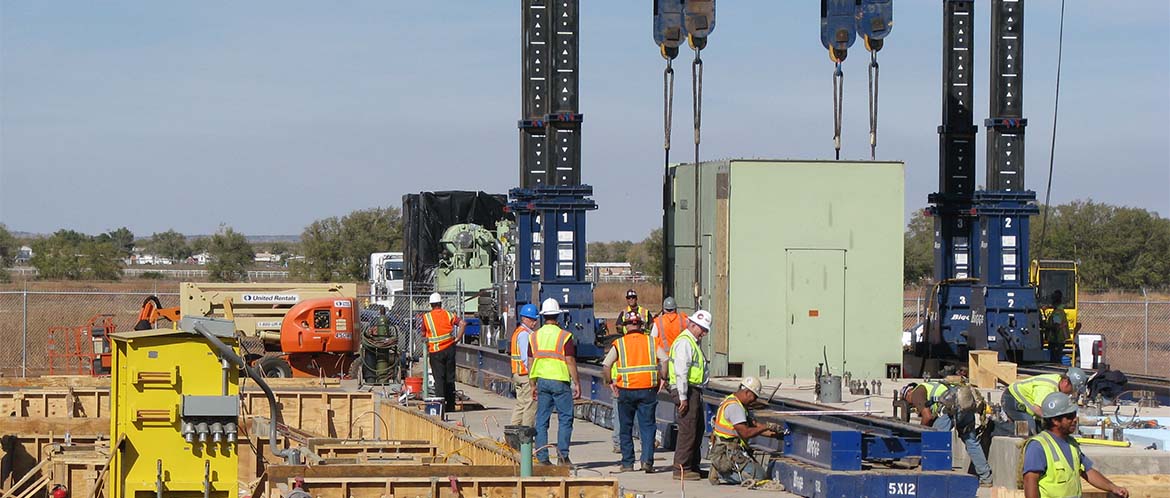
pixel 26 318
pixel 1137 333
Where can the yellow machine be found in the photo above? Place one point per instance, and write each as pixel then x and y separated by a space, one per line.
pixel 176 414
pixel 1050 276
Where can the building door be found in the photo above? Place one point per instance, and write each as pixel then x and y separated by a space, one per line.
pixel 816 309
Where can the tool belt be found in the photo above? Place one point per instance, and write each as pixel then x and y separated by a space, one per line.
pixel 728 456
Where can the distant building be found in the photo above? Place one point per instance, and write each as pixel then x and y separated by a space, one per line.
pixel 610 272
pixel 24 255
pixel 199 259
pixel 266 257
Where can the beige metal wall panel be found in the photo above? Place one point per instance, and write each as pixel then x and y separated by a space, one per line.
pixel 813 255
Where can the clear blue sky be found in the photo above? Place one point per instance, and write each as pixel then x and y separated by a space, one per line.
pixel 266 115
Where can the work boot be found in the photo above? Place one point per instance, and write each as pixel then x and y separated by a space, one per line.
pixel 564 461
pixel 626 468
pixel 648 467
pixel 688 475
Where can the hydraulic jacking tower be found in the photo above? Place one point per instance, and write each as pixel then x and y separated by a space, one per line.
pixel 551 202
pixel 982 298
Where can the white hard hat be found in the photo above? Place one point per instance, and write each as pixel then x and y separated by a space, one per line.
pixel 436 298
pixel 702 318
pixel 752 384
pixel 550 307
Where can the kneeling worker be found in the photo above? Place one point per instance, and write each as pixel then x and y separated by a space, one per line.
pixel 1053 462
pixel 731 456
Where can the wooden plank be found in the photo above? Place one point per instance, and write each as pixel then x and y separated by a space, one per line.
pixel 487 487
pixel 986 370
pixel 1139 486
pixel 284 472
pixel 22 427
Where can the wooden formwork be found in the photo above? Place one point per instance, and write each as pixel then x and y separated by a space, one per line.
pixel 361 426
pixel 66 402
pixel 456 486
pixel 373 451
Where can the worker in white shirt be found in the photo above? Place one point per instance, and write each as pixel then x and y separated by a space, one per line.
pixel 687 372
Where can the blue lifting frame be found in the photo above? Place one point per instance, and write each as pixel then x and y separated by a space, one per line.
pixel 842 453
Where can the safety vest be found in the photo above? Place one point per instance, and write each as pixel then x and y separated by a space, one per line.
pixel 933 391
pixel 548 353
pixel 518 366
pixel 642 312
pixel 669 326
pixel 696 366
pixel 721 426
pixel 1031 391
pixel 636 368
pixel 1062 479
pixel 439 326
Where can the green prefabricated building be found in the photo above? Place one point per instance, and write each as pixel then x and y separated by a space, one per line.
pixel 796 260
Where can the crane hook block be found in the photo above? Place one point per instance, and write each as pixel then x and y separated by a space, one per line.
pixel 669 29
pixel 875 19
pixel 700 21
pixel 838 27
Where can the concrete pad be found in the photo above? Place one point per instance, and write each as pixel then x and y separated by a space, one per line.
pixel 1004 458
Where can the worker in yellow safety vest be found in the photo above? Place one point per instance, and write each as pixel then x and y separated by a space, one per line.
pixel 442 330
pixel 524 413
pixel 554 370
pixel 668 324
pixel 937 407
pixel 1053 461
pixel 634 363
pixel 687 372
pixel 1021 400
pixel 732 461
pixel 632 308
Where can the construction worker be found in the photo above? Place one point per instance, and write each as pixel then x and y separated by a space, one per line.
pixel 936 407
pixel 668 324
pixel 631 308
pixel 524 413
pixel 732 427
pixel 1021 400
pixel 634 362
pixel 443 330
pixel 687 371
pixel 1055 327
pixel 1053 461
pixel 554 370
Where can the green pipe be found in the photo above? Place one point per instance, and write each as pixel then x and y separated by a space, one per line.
pixel 526 457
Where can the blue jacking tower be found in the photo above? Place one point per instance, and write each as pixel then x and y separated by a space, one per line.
pixel 982 299
pixel 551 202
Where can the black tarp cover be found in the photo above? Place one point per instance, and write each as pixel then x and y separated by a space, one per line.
pixel 426 215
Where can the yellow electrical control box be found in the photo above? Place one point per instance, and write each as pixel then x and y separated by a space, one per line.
pixel 175 416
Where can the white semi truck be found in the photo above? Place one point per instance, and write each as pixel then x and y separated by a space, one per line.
pixel 386 272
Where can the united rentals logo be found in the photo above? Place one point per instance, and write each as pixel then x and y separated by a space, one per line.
pixel 270 298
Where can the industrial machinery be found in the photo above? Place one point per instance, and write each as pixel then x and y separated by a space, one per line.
pixel 474 267
pixel 1057 279
pixel 982 298
pixel 288 330
pixel 386 272
pixel 85 350
pixel 175 416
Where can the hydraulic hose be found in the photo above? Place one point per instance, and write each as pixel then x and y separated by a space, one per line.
pixel 291 455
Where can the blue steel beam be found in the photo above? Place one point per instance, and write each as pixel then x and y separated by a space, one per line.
pixel 837 442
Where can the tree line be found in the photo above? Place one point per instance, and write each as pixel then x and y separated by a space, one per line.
pixel 1116 247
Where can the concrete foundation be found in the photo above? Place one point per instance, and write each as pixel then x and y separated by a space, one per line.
pixel 1005 460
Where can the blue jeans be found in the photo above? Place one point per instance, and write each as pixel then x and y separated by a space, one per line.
pixel 1016 413
pixel 640 403
pixel 971 439
pixel 550 393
